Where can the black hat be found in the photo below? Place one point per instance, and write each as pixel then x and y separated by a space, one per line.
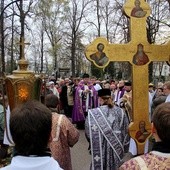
pixel 128 83
pixel 104 92
pixel 85 75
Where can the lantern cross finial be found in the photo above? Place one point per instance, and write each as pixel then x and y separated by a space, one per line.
pixel 22 44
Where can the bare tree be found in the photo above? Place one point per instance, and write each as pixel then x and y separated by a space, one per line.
pixel 10 11
pixel 51 15
pixel 156 21
pixel 23 15
pixel 2 36
pixel 75 18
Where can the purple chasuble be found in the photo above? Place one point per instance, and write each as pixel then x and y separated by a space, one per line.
pixel 82 103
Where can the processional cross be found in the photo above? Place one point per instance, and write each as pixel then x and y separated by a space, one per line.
pixel 139 53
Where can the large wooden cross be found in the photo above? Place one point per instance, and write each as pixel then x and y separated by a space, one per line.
pixel 139 53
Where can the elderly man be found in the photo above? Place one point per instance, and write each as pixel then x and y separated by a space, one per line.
pixel 53 89
pixel 166 88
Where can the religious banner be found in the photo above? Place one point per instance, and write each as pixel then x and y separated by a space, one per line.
pixel 139 53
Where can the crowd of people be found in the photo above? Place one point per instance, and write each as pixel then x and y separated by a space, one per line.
pixel 86 100
pixel 103 108
pixel 78 95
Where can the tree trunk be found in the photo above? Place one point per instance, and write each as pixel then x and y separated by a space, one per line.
pixel 42 48
pixel 73 49
pixel 22 20
pixel 98 18
pixel 2 37
pixel 12 44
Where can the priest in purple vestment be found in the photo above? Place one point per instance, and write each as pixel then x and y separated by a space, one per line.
pixel 85 98
pixel 107 130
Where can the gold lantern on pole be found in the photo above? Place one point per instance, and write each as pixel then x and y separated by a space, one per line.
pixel 23 84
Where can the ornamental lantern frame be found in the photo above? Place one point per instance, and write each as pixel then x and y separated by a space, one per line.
pixel 23 84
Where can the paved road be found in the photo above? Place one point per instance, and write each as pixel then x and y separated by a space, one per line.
pixel 79 154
